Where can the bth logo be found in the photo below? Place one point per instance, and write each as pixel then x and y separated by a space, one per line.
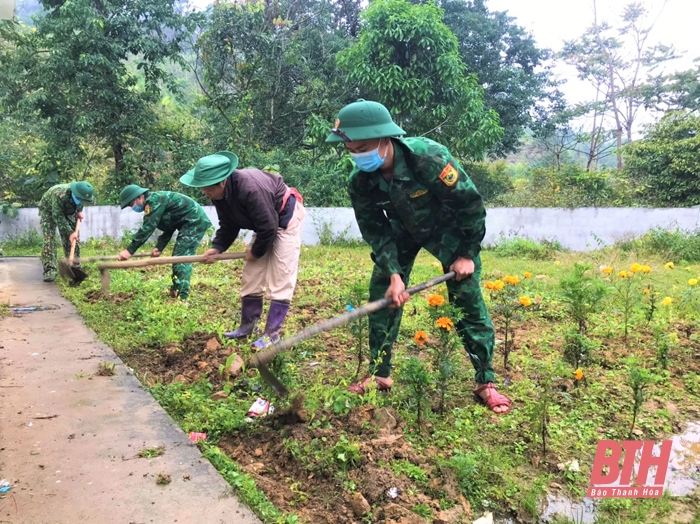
pixel 617 482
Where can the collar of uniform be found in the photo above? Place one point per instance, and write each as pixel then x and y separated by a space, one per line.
pixel 400 167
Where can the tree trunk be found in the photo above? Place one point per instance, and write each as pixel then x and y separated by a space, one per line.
pixel 118 150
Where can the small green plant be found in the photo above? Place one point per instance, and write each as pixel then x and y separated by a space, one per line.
pixel 545 397
pixel 639 379
pixel 663 348
pixel 163 479
pixel 359 328
pixel 629 288
pixel 106 369
pixel 410 470
pixel 577 348
pixel 582 294
pixel 423 510
pixel 417 378
pixel 346 454
pixel 150 453
pixel 525 248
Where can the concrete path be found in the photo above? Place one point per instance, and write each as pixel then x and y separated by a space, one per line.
pixel 67 438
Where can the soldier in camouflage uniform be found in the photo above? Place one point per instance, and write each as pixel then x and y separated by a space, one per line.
pixel 410 194
pixel 59 208
pixel 167 211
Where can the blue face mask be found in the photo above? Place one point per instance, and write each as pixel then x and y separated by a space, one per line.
pixel 77 202
pixel 138 209
pixel 368 161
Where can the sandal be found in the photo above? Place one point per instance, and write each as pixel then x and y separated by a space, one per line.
pixel 494 399
pixel 383 384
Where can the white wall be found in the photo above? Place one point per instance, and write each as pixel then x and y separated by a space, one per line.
pixel 575 229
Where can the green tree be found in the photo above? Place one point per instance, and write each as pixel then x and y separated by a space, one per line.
pixel 666 162
pixel 408 59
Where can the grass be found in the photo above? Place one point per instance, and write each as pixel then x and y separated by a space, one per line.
pixel 294 472
pixel 153 452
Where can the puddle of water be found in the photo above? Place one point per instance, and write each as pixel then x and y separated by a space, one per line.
pixel 29 309
pixel 580 512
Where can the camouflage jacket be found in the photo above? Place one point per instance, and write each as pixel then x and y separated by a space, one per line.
pixel 168 211
pixel 57 206
pixel 429 197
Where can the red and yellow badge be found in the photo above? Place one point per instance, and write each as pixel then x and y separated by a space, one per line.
pixel 449 175
pixel 147 209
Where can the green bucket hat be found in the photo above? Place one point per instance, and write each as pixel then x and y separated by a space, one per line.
pixel 363 120
pixel 211 169
pixel 129 193
pixel 83 191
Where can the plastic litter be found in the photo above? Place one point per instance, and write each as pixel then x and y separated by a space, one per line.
pixel 486 519
pixel 259 408
pixel 196 437
pixel 392 493
pixel 5 486
pixel 312 364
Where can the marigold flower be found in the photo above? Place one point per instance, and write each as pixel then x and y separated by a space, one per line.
pixel 636 268
pixel 607 270
pixel 578 375
pixel 498 285
pixel 436 300
pixel 646 270
pixel 527 274
pixel 667 301
pixel 421 337
pixel 625 274
pixel 490 285
pixel 693 282
pixel 647 291
pixel 444 323
pixel 669 265
pixel 525 301
pixel 511 279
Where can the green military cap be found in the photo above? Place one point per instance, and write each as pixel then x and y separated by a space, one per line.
pixel 363 120
pixel 211 169
pixel 83 191
pixel 129 193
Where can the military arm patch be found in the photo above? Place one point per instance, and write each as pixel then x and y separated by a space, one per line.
pixel 147 209
pixel 449 175
pixel 418 193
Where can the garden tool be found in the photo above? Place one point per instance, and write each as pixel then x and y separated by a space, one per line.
pixel 66 269
pixel 263 358
pixel 108 257
pixel 159 261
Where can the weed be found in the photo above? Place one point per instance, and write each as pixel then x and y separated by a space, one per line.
pixel 423 510
pixel 410 470
pixel 525 248
pixel 577 348
pixel 638 380
pixel 163 479
pixel 150 453
pixel 417 379
pixel 106 369
pixel 582 295
pixel 360 327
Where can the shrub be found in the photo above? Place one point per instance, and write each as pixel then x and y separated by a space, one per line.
pixel 526 248
pixel 675 245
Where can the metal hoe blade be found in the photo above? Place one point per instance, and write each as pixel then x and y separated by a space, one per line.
pixel 273 381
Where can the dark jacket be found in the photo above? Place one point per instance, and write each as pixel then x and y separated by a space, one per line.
pixel 252 200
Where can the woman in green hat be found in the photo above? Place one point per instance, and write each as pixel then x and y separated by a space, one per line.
pixel 168 211
pixel 261 202
pixel 408 194
pixel 60 208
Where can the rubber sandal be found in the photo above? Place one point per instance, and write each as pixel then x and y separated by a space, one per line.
pixel 495 398
pixel 383 384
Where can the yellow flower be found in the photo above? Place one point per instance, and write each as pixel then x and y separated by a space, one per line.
pixel 436 300
pixel 421 337
pixel 511 279
pixel 557 263
pixel 525 301
pixel 444 323
pixel 625 274
pixel 647 291
pixel 578 375
pixel 636 268
pixel 498 285
pixel 667 301
pixel 646 270
pixel 607 270
pixel 669 265
pixel 693 282
pixel 489 285
pixel 527 274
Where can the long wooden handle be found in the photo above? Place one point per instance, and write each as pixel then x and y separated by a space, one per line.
pixel 264 357
pixel 109 257
pixel 161 261
pixel 74 242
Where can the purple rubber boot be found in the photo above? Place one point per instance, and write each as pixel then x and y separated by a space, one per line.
pixel 275 319
pixel 251 311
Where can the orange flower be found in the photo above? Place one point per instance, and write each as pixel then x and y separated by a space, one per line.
pixel 498 285
pixel 436 300
pixel 578 375
pixel 525 301
pixel 511 279
pixel 636 268
pixel 625 274
pixel 647 291
pixel 646 270
pixel 527 274
pixel 607 270
pixel 444 323
pixel 490 285
pixel 421 337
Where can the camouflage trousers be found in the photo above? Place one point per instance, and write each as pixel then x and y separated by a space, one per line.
pixel 186 244
pixel 48 248
pixel 475 329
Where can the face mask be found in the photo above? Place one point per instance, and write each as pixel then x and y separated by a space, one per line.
pixel 368 161
pixel 77 202
pixel 138 209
